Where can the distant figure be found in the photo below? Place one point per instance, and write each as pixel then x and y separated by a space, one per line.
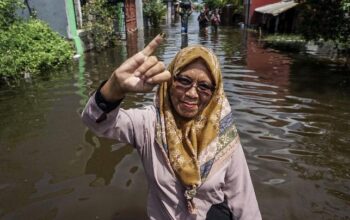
pixel 215 20
pixel 203 19
pixel 184 10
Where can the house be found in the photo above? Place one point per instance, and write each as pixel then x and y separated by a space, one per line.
pixel 273 16
pixel 65 17
pixel 251 5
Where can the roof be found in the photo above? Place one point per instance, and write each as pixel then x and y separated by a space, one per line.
pixel 276 8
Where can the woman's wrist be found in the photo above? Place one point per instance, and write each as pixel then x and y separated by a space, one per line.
pixel 111 90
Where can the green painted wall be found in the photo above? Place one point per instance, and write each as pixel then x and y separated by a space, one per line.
pixel 73 27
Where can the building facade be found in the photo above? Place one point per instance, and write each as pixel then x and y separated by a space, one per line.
pixel 65 16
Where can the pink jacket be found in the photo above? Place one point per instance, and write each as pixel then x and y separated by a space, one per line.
pixel 165 192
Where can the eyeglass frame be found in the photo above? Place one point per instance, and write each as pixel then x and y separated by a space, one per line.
pixel 210 88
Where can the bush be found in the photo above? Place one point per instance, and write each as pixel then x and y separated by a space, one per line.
pixel 98 19
pixel 285 42
pixel 154 10
pixel 31 47
pixel 214 4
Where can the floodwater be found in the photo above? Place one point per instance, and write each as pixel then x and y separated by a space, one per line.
pixel 292 113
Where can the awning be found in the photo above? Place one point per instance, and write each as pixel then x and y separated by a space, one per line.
pixel 276 8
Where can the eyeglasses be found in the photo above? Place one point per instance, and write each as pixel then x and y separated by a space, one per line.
pixel 186 83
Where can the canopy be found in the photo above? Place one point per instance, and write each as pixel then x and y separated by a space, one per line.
pixel 276 8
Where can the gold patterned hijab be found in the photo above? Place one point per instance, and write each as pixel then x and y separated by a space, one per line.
pixel 193 145
pixel 185 143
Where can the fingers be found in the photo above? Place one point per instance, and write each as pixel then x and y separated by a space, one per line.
pixel 153 71
pixel 131 64
pixel 138 59
pixel 159 78
pixel 148 64
pixel 153 45
pixel 156 69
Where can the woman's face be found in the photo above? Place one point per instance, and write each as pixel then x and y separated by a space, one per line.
pixel 191 89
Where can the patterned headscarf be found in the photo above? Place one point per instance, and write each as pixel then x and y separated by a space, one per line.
pixel 194 145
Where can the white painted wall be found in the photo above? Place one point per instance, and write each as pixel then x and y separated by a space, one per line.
pixel 139 14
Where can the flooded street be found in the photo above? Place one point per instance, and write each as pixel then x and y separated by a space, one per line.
pixel 292 113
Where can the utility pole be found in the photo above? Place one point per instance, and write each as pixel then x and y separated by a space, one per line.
pixel 246 12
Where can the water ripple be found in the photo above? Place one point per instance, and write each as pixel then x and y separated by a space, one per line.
pixel 274 158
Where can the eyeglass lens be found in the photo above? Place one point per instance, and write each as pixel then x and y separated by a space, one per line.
pixel 187 83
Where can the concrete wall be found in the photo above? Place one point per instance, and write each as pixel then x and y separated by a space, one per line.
pixel 52 12
pixel 139 14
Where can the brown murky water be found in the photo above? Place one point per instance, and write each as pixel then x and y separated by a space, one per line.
pixel 293 115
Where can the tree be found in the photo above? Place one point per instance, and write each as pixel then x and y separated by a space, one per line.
pixel 326 20
pixel 98 18
pixel 154 10
pixel 212 4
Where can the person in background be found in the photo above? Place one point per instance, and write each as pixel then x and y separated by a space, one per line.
pixel 203 19
pixel 185 10
pixel 215 20
pixel 187 141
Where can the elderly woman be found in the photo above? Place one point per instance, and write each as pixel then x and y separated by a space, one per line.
pixel 188 144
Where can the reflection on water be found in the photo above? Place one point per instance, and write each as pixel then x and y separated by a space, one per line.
pixel 104 158
pixel 293 116
pixel 184 40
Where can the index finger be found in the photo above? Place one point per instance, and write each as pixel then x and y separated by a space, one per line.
pixel 153 45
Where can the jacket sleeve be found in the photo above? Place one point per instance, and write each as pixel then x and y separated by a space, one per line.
pixel 133 126
pixel 238 189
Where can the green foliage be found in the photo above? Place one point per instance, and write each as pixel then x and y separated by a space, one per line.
pixel 285 42
pixel 99 18
pixel 120 16
pixel 346 6
pixel 326 20
pixel 212 4
pixel 198 7
pixel 285 38
pixel 31 47
pixel 7 12
pixel 154 10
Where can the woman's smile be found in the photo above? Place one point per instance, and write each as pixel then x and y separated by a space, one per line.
pixel 189 105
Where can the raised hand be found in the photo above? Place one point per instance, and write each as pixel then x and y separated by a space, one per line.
pixel 139 73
